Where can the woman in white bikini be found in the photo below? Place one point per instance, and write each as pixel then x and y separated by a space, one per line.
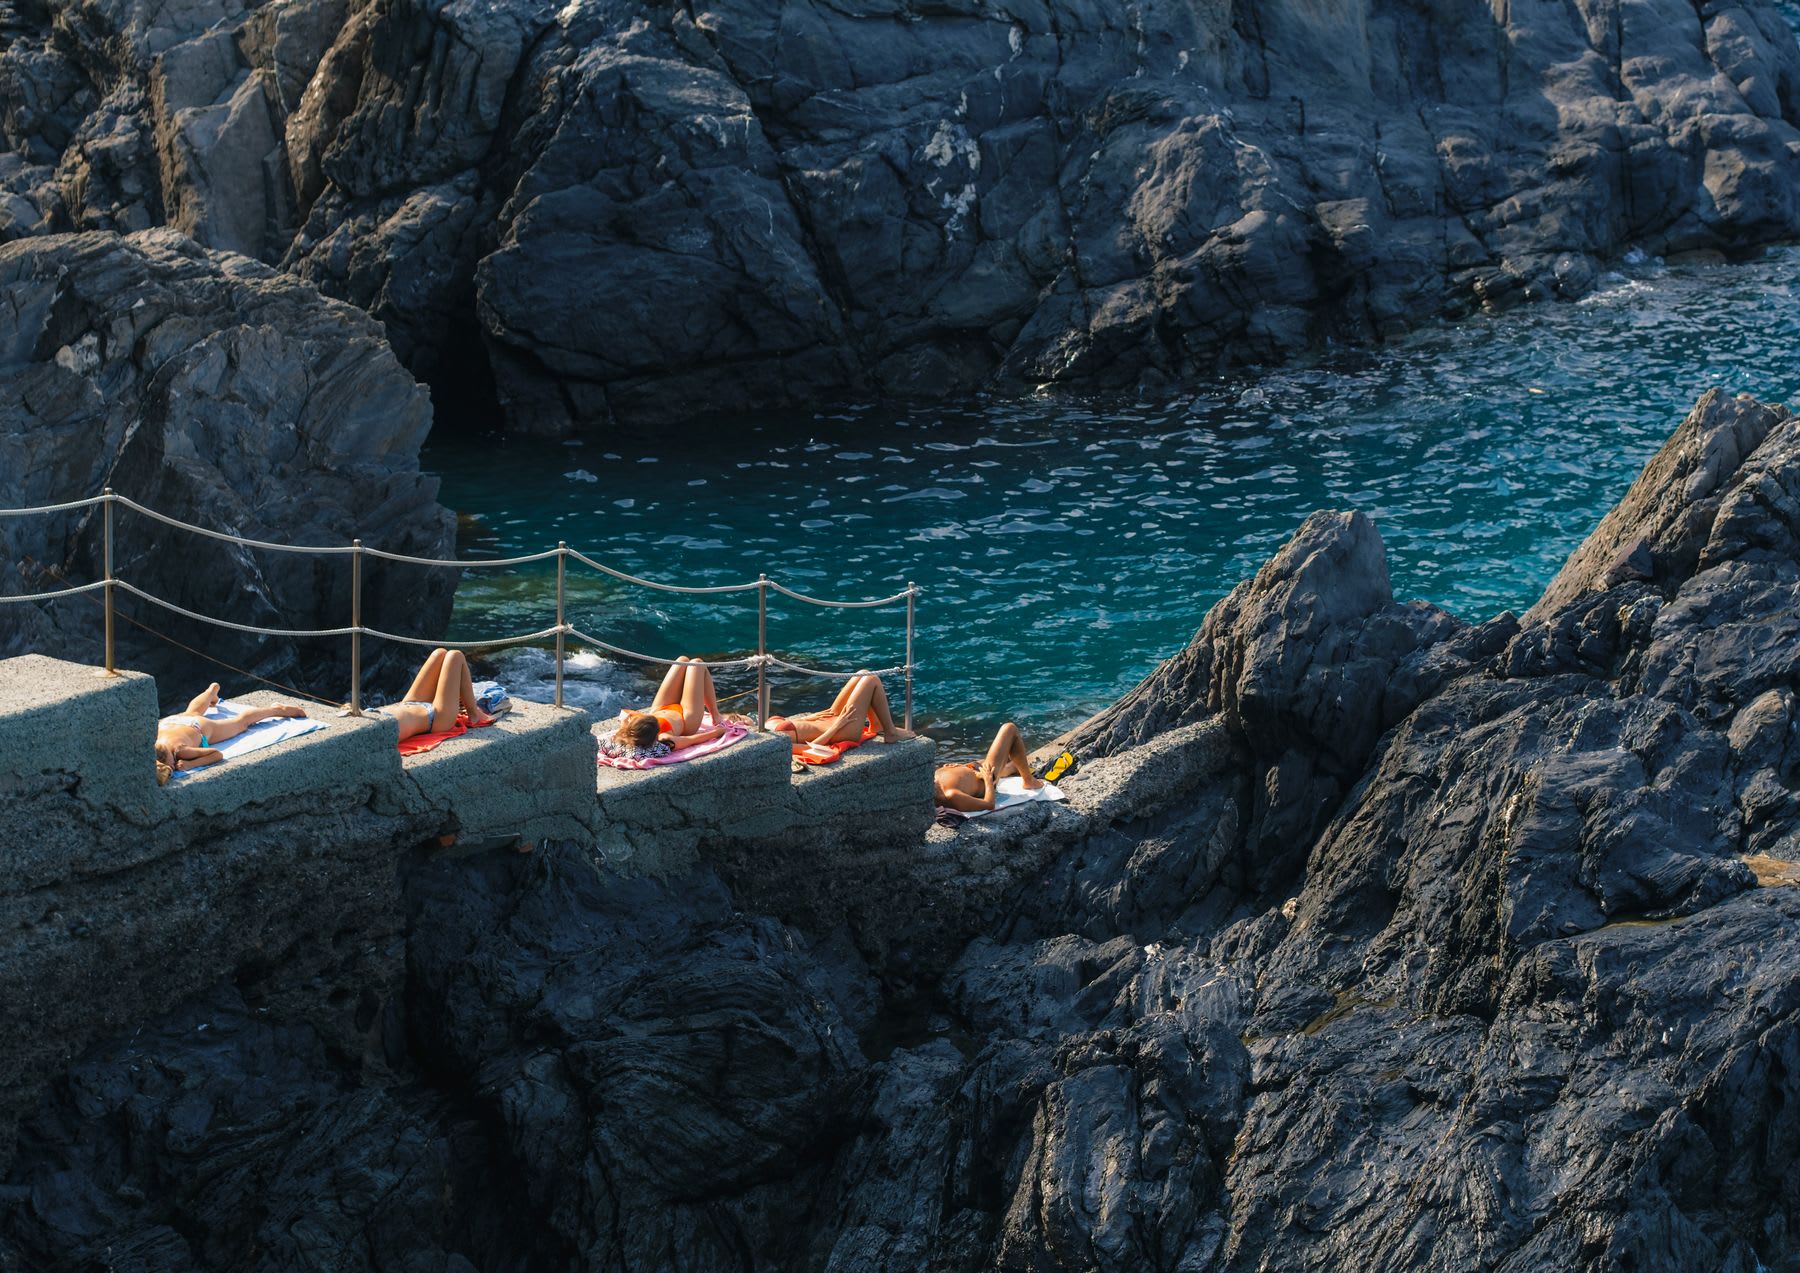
pixel 187 741
pixel 442 688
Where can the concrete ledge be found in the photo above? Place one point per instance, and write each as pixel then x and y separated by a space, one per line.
pixel 529 774
pixel 656 821
pixel 76 754
pixel 119 897
pixel 879 791
pixel 347 761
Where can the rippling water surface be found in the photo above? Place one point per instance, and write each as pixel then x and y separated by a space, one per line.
pixel 1065 547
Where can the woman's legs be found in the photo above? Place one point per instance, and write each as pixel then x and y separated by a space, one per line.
pixel 689 686
pixel 878 704
pixel 849 710
pixel 1007 756
pixel 455 692
pixel 674 680
pixel 204 701
pixel 425 684
pixel 697 698
pixel 218 731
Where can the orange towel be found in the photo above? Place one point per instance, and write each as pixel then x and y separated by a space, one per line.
pixel 830 753
pixel 425 742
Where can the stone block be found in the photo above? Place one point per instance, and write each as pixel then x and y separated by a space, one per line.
pixel 530 774
pixel 878 791
pixel 655 821
pixel 76 753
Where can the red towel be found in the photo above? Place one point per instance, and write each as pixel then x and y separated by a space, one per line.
pixel 425 742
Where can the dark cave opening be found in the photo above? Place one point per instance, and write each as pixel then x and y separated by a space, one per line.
pixel 465 398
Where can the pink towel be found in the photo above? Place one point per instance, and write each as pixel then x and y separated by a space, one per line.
pixel 732 733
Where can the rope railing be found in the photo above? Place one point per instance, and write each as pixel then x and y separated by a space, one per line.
pixel 562 630
pixel 586 560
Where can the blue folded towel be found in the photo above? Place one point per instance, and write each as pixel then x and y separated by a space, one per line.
pixel 489 695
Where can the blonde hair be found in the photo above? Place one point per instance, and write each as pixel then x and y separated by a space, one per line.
pixel 165 764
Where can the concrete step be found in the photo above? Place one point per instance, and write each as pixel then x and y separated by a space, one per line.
pixel 529 774
pixel 654 821
pixel 666 820
pixel 73 745
pixel 351 758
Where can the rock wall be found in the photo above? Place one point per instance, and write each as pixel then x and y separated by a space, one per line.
pixel 643 212
pixel 1508 979
pixel 233 397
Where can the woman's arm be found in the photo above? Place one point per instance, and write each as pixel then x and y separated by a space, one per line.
pixel 963 802
pixel 195 757
pixel 691 740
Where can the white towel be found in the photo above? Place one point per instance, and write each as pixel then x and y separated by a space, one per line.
pixel 265 734
pixel 1010 793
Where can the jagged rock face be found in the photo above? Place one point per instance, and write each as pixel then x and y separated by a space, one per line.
pixel 1518 1003
pixel 229 396
pixel 649 212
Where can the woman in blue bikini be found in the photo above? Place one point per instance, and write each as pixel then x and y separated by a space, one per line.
pixel 442 688
pixel 186 741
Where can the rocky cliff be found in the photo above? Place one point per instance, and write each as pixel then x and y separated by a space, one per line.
pixel 1373 940
pixel 233 397
pixel 614 209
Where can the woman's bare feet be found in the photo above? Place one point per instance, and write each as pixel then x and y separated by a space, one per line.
pixel 898 735
pixel 478 718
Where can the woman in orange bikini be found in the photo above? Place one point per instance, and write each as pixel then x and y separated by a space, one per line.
pixel 863 696
pixel 677 714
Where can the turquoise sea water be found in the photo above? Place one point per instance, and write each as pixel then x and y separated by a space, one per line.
pixel 1066 546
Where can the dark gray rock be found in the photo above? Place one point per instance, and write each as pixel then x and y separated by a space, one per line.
pixel 645 212
pixel 1504 990
pixel 232 397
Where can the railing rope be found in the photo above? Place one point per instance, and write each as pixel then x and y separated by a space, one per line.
pixel 356 550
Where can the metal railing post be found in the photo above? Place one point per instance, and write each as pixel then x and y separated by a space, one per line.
pixel 911 593
pixel 356 627
pixel 562 565
pixel 112 668
pixel 762 650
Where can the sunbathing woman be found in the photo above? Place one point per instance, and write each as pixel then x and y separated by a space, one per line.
pixel 186 741
pixel 969 788
pixel 442 689
pixel 862 696
pixel 676 716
